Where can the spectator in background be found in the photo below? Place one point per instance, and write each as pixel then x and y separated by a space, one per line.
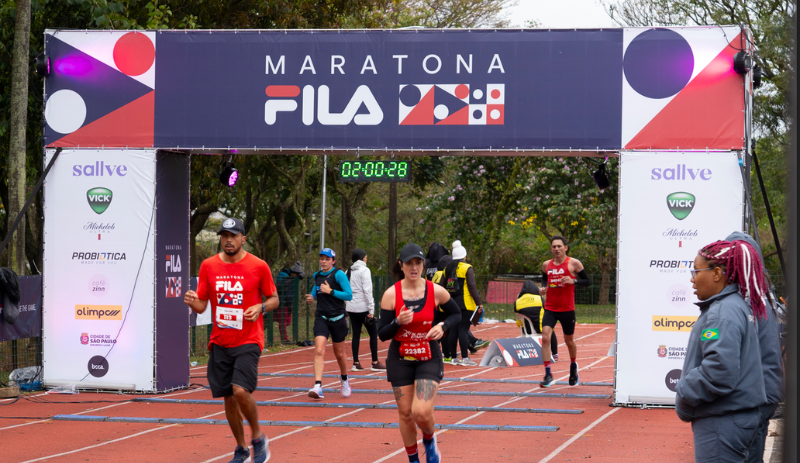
pixel 286 293
pixel 529 303
pixel 435 253
pixel 459 280
pixel 361 309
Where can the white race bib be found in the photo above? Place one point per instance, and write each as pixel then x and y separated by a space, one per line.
pixel 229 318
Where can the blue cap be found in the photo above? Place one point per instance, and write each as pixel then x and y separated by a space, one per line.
pixel 328 252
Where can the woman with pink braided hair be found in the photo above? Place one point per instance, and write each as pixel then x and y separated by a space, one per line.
pixel 722 383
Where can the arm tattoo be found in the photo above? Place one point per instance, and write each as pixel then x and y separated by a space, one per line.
pixel 426 389
pixel 397 393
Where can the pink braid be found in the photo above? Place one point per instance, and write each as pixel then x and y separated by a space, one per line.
pixel 743 267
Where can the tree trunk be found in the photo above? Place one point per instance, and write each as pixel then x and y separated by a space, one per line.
pixel 606 263
pixel 18 113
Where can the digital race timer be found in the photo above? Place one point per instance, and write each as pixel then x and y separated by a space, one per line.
pixel 375 171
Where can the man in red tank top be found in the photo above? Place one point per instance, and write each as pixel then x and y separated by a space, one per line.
pixel 563 274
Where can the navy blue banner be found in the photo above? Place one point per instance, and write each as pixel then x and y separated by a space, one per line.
pixel 29 322
pixel 461 89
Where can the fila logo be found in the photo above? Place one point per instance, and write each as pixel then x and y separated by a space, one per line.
pixel 173 263
pixel 283 98
pixel 229 286
pixel 556 271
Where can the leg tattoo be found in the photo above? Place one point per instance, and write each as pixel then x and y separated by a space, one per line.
pixel 426 389
pixel 397 393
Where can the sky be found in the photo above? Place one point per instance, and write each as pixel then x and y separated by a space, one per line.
pixel 560 14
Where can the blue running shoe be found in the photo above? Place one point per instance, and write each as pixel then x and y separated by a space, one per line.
pixel 432 454
pixel 241 455
pixel 261 450
pixel 547 381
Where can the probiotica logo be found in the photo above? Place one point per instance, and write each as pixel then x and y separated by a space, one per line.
pixel 680 204
pixel 99 199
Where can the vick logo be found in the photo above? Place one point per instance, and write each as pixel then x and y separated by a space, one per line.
pixel 99 199
pixel 680 204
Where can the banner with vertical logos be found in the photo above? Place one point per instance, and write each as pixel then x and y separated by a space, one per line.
pixel 98 314
pixel 670 205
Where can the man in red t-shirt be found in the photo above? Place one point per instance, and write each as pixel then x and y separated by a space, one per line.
pixel 235 281
pixel 563 274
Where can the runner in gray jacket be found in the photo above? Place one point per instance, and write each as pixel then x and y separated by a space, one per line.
pixel 722 384
pixel 771 364
pixel 361 310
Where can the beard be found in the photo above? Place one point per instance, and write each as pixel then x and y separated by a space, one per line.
pixel 231 252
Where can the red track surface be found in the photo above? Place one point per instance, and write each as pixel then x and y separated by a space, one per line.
pixel 601 433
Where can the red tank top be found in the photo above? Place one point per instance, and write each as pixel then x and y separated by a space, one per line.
pixel 560 297
pixel 422 322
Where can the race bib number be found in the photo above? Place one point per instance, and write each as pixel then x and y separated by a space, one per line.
pixel 230 318
pixel 415 350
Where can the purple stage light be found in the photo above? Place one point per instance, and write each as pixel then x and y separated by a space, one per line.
pixel 233 178
pixel 77 66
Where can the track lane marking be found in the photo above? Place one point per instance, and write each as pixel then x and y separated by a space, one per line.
pixel 566 444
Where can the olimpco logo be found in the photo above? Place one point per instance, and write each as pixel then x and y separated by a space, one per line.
pixel 98 366
pixel 680 204
pixel 99 199
pixel 98 312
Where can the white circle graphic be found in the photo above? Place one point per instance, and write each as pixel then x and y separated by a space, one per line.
pixel 495 114
pixel 441 111
pixel 228 223
pixel 477 94
pixel 65 111
pixel 509 358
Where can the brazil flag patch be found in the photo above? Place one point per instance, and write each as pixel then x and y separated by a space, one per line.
pixel 710 334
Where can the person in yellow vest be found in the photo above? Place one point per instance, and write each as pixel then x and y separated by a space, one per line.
pixel 459 280
pixel 530 304
pixel 440 316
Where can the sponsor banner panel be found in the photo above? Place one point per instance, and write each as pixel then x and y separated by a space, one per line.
pixel 98 287
pixel 671 205
pixel 29 321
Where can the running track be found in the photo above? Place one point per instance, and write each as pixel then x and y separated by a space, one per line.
pixel 601 433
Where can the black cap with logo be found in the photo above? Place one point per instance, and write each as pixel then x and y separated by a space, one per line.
pixel 411 251
pixel 232 225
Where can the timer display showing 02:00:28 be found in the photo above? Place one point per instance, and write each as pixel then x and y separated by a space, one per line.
pixel 375 171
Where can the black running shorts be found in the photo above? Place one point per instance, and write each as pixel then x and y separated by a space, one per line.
pixel 229 366
pixel 401 372
pixel 336 330
pixel 567 320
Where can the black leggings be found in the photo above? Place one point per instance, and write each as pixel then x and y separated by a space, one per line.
pixel 357 319
pixel 460 334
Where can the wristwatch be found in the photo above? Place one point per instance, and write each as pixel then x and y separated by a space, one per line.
pixel 263 307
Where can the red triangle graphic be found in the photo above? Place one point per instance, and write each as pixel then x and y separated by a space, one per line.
pixel 422 114
pixel 707 113
pixel 131 126
pixel 460 117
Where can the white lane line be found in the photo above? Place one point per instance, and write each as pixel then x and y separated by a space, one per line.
pixel 577 436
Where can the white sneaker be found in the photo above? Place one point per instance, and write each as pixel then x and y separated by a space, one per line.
pixel 316 392
pixel 554 357
pixel 346 391
pixel 455 361
pixel 468 362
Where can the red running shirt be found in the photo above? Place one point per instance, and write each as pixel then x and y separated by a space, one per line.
pixel 560 296
pixel 422 322
pixel 231 289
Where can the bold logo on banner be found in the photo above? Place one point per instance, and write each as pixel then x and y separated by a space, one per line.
pixel 452 104
pixel 100 228
pixel 173 263
pixel 99 169
pixel 681 204
pixel 99 257
pixel 98 312
pixel 97 340
pixel 672 378
pixel 226 285
pixel 98 285
pixel 99 199
pixel 680 235
pixel 98 366
pixel 662 351
pixel 174 288
pixel 85 338
pixel 672 264
pixel 670 323
pixel 680 172
pixel 283 98
pixel 229 299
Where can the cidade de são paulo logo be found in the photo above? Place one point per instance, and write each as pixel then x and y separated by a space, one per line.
pixel 97 340
pixel 98 312
pixel 99 199
pixel 671 353
pixel 680 204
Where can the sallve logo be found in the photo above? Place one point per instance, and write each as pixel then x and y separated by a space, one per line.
pixel 680 173
pixel 680 204
pixel 99 199
pixel 99 169
pixel 98 312
pixel 670 323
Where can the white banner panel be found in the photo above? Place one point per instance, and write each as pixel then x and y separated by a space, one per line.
pixel 671 204
pixel 98 315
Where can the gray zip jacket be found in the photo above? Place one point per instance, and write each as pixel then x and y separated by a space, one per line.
pixel 361 284
pixel 768 339
pixel 722 371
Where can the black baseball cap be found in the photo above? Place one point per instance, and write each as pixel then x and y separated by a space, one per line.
pixel 232 225
pixel 411 251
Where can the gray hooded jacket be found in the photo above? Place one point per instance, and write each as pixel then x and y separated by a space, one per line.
pixel 722 371
pixel 768 339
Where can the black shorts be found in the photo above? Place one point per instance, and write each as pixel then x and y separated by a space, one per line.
pixel 336 330
pixel 567 320
pixel 229 366
pixel 401 372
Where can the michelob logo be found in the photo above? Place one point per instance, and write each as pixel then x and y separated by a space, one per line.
pixel 98 312
pixel 99 199
pixel 669 323
pixel 680 204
